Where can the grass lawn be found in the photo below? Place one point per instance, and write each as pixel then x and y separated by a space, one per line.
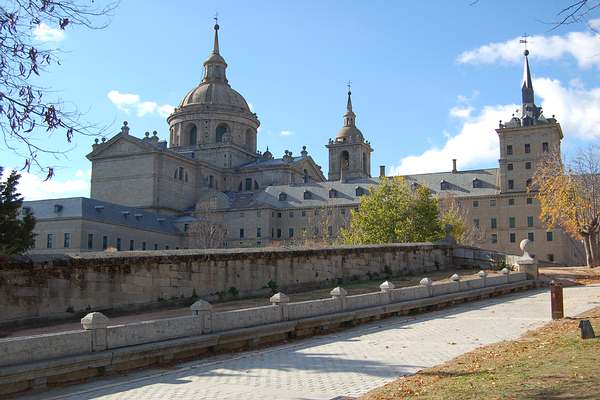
pixel 549 363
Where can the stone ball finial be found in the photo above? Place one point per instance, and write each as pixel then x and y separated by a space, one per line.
pixel 125 123
pixel 103 139
pixel 147 134
pixel 526 52
pixel 154 133
pixel 304 148
pixel 96 140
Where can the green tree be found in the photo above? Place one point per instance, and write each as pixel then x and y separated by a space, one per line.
pixel 393 213
pixel 16 233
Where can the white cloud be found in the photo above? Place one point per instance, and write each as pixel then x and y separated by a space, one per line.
pixel 286 133
pixel 44 33
pixel 583 46
pixel 461 111
pixel 33 187
pixel 129 102
pixel 476 143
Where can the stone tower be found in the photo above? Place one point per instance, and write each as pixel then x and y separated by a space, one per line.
pixel 349 153
pixel 214 121
pixel 525 140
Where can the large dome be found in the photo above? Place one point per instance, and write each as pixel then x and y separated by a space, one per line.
pixel 215 93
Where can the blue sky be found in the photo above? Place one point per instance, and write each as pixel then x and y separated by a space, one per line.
pixel 430 79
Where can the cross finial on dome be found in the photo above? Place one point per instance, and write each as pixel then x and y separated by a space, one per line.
pixel 349 105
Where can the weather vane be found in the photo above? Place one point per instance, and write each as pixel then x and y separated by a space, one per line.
pixel 349 84
pixel 216 18
pixel 524 40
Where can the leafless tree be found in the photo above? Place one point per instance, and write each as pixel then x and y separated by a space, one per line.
pixel 207 232
pixel 27 109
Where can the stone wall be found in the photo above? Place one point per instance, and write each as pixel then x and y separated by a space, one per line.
pixel 84 282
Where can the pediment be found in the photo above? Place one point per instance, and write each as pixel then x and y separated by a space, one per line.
pixel 118 146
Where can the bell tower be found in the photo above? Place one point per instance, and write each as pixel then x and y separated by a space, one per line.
pixel 349 153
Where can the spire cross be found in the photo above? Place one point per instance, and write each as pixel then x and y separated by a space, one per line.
pixel 524 40
pixel 349 84
pixel 216 18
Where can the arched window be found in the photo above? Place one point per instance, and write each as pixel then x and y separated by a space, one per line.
pixel 192 136
pixel 249 141
pixel 444 185
pixel 364 163
pixel 307 195
pixel 282 196
pixel 344 160
pixel 221 131
pixel 332 193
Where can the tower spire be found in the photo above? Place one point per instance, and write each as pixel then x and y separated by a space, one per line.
pixel 527 88
pixel 349 116
pixel 216 42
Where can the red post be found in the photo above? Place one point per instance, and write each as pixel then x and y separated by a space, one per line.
pixel 556 300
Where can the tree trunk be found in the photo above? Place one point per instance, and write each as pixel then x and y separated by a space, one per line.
pixel 588 251
pixel 595 249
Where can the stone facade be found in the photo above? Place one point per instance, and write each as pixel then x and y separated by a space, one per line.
pixel 210 170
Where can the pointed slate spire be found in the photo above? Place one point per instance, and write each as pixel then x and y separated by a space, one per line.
pixel 349 116
pixel 216 41
pixel 527 88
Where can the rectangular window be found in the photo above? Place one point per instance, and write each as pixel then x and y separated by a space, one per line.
pixel 131 244
pixel 343 211
pixel 90 241
pixel 278 233
pixel 551 257
pixel 248 184
pixel 67 240
pixel 475 203
pixel 493 223
pixel 529 201
pixel 512 237
pixel 530 221
pixel 509 166
pixel 291 214
pixel 528 165
pixel 317 211
pixel 278 215
pixel 330 230
pixel 545 147
pixel 186 227
pixel 511 202
pixel 509 150
pixel 104 242
pixel 549 236
pixel 304 213
pixel 50 241
pixel 291 232
pixel 258 213
pixel 272 232
pixel 476 222
pixel 530 236
pixel 118 244
pixel 211 181
pixel 329 211
pixel 511 222
pixel 494 238
pixel 527 148
pixel 167 247
pixel 143 245
pixel 241 233
pixel 155 246
pixel 511 184
pixel 258 232
pixel 492 202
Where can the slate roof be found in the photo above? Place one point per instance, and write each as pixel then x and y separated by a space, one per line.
pixel 102 211
pixel 460 183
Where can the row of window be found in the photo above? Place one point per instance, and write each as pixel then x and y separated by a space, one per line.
pixel 511 184
pixel 308 195
pixel 511 166
pixel 303 213
pixel 527 148
pixel 512 237
pixel 511 222
pixel 51 242
pixel 510 202
pixel 277 233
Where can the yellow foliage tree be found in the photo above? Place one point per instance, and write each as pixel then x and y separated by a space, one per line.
pixel 569 197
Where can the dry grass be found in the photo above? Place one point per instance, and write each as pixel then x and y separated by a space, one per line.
pixel 549 363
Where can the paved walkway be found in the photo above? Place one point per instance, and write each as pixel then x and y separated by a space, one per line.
pixel 347 363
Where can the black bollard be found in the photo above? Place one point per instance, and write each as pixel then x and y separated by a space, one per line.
pixel 587 332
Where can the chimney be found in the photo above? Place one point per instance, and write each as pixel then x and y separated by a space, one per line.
pixel 454 170
pixel 382 171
